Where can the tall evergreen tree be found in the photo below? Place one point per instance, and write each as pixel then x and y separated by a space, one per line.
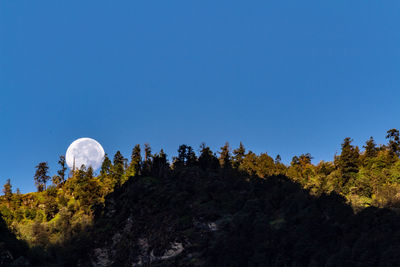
pixel 225 156
pixel 207 159
pixel 41 176
pixel 348 161
pixel 238 155
pixel 147 160
pixel 394 141
pixel 186 157
pixel 105 167
pixel 191 158
pixel 61 171
pixel 7 190
pixel 179 161
pixel 18 198
pixel 371 150
pixel 118 168
pixel 136 160
pixel 160 164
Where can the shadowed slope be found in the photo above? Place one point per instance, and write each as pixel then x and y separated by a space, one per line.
pixel 209 219
pixel 11 249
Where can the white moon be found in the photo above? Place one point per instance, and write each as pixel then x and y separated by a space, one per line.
pixel 85 151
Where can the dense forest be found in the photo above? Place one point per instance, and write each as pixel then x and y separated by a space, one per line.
pixel 230 208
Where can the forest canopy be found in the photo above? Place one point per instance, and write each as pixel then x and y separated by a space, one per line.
pixel 64 206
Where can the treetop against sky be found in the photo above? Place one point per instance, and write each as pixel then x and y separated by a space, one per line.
pixel 282 77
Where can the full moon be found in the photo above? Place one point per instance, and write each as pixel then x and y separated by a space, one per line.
pixel 85 151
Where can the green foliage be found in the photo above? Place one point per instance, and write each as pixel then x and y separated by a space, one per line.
pixel 225 157
pixel 7 190
pixel 62 170
pixel 136 160
pixel 41 176
pixel 236 190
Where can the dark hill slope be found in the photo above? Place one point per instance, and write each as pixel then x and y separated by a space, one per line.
pixel 195 219
pixel 12 251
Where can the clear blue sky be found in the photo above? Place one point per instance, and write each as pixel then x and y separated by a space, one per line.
pixel 285 77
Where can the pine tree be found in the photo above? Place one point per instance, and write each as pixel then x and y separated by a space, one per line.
pixel 278 159
pixel 160 164
pixel 41 176
pixel 348 161
pixel 207 159
pixel 179 161
pixel 105 167
pixel 136 160
pixel 7 190
pixel 225 156
pixel 239 154
pixel 118 168
pixel 147 160
pixel 17 198
pixel 186 157
pixel 90 172
pixel 61 172
pixel 371 150
pixel 394 141
pixel 191 159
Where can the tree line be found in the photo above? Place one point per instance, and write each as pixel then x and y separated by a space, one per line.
pixel 367 177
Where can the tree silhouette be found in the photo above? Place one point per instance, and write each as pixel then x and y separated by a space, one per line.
pixel 105 167
pixel 238 155
pixel 147 160
pixel 136 160
pixel 7 190
pixel 207 160
pixel 348 162
pixel 394 141
pixel 41 176
pixel 61 171
pixel 225 157
pixel 118 168
pixel 370 148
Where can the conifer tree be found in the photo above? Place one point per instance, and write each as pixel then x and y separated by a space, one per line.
pixel 41 176
pixel 136 160
pixel 17 198
pixel 225 156
pixel 186 157
pixel 191 159
pixel 348 161
pixel 147 160
pixel 118 168
pixel 179 161
pixel 278 159
pixel 394 141
pixel 160 164
pixel 207 159
pixel 370 148
pixel 61 172
pixel 7 190
pixel 239 154
pixel 105 167
pixel 89 172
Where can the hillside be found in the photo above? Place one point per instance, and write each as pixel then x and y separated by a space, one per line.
pixel 238 209
pixel 195 219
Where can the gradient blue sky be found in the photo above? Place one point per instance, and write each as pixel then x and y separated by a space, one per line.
pixel 285 77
